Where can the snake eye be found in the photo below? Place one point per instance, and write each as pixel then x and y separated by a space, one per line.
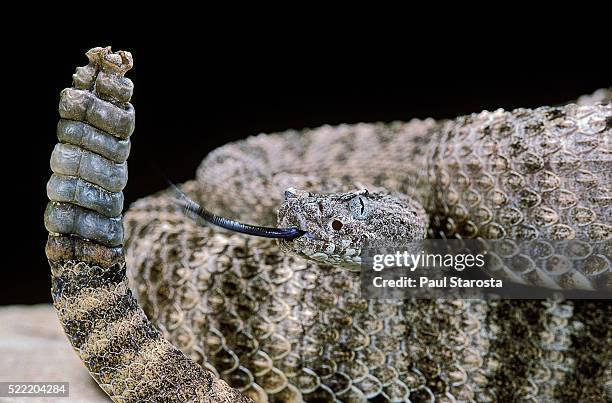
pixel 360 208
pixel 337 225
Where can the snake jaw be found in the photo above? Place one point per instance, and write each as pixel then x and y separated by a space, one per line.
pixel 321 251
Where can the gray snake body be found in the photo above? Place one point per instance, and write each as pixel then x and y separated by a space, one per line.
pixel 280 327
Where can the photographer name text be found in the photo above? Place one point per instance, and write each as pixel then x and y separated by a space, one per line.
pixel 426 282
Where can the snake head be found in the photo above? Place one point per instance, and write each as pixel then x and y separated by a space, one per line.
pixel 337 226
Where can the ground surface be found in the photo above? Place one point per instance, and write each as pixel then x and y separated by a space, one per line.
pixel 33 348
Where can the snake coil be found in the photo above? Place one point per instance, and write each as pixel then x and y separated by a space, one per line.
pixel 280 328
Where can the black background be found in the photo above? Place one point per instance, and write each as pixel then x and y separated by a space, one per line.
pixel 199 90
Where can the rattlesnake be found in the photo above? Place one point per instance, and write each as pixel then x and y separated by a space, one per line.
pixel 274 319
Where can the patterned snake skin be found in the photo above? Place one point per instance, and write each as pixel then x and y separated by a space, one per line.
pixel 280 328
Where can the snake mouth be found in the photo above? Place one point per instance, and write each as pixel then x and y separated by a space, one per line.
pixel 307 240
pixel 308 235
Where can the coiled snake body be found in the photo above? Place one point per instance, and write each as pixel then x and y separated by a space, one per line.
pixel 284 322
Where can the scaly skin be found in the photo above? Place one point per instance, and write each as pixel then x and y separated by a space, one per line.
pixel 283 329
pixel 122 350
pixel 527 174
pixel 280 328
pixel 272 325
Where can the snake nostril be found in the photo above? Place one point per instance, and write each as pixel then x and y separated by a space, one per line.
pixel 336 225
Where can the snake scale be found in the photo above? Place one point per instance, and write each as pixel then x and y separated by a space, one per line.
pixel 232 318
